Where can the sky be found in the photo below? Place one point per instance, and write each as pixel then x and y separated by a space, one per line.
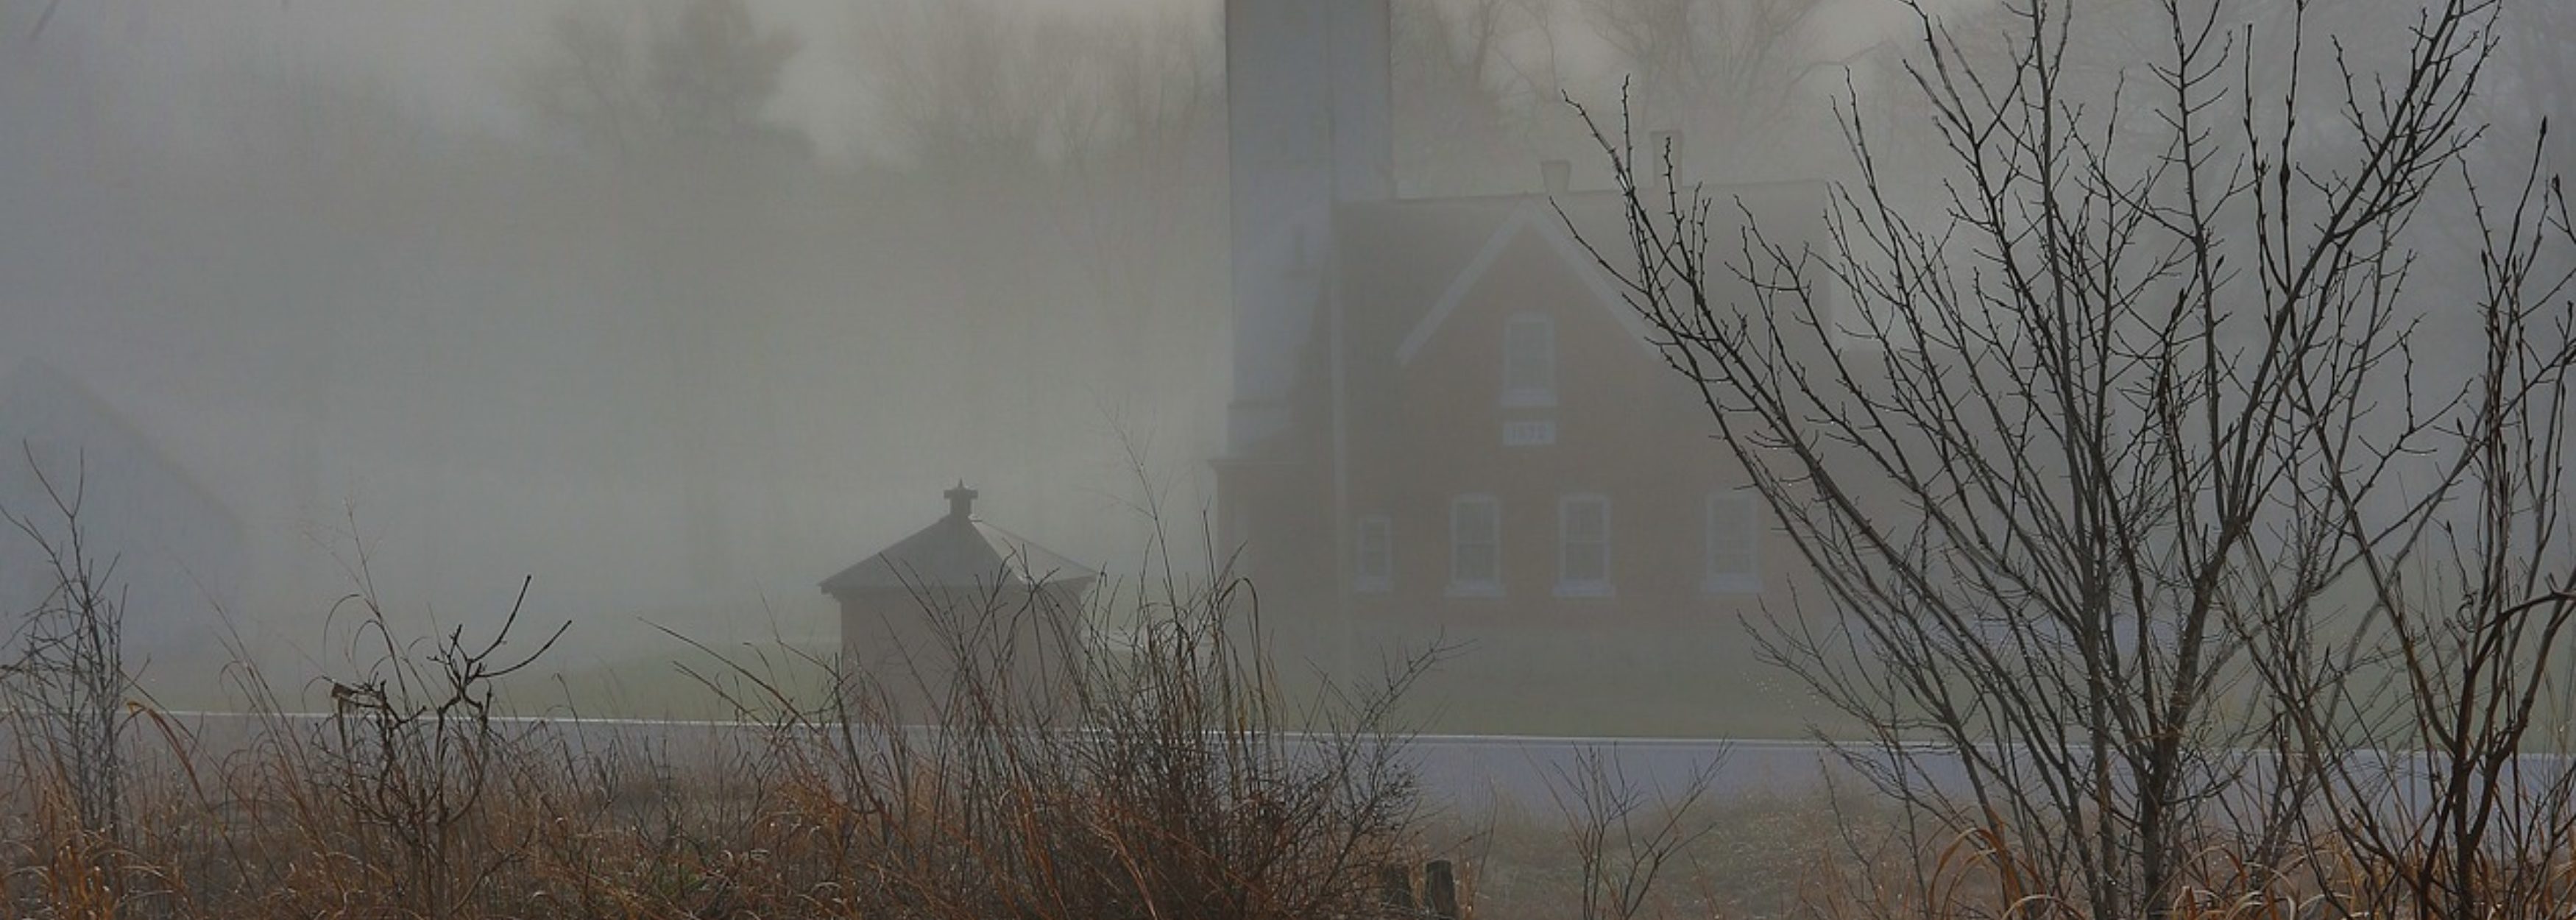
pixel 455 59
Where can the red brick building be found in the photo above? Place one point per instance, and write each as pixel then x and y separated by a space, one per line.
pixel 1447 420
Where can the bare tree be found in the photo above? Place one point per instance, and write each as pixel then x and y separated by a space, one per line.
pixel 2114 465
pixel 590 87
pixel 67 680
pixel 1100 133
pixel 1464 101
pixel 1623 837
pixel 1479 82
pixel 629 81
pixel 411 753
pixel 715 69
pixel 1728 68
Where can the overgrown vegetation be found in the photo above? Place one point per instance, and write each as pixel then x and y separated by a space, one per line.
pixel 2173 571
pixel 64 683
pixel 2186 524
pixel 1163 777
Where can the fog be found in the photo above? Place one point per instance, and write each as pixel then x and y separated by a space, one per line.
pixel 409 277
pixel 681 306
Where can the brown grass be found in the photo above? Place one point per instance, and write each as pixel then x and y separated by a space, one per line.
pixel 1165 781
pixel 786 822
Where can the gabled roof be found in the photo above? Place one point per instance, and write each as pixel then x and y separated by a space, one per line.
pixel 1404 267
pixel 959 551
pixel 1532 216
pixel 1408 265
pixel 43 408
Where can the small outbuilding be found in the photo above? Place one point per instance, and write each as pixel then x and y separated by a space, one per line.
pixel 958 594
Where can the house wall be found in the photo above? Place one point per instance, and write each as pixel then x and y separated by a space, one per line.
pixel 903 642
pixel 1626 427
pixel 1327 426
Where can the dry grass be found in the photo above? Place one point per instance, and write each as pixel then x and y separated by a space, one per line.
pixel 787 822
pixel 1174 784
pixel 1168 780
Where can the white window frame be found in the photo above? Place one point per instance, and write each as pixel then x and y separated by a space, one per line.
pixel 1491 584
pixel 1541 392
pixel 1731 526
pixel 1567 545
pixel 1373 567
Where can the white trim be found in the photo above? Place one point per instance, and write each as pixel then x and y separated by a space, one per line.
pixel 1533 217
pixel 1746 512
pixel 1383 580
pixel 1590 587
pixel 1484 587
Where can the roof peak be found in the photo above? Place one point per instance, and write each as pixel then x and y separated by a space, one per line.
pixel 959 551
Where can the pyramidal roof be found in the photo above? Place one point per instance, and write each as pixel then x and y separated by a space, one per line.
pixel 958 551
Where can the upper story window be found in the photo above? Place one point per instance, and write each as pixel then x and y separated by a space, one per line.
pixel 1734 542
pixel 1475 545
pixel 1583 546
pixel 1374 568
pixel 1529 361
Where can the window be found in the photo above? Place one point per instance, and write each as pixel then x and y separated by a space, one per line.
pixel 1734 543
pixel 1475 545
pixel 1374 570
pixel 1583 546
pixel 1529 361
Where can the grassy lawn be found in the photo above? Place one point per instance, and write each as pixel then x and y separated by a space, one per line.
pixel 684 683
pixel 1698 684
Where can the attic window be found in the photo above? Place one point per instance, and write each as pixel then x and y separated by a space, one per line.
pixel 1529 361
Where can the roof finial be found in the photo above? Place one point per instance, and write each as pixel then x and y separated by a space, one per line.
pixel 961 500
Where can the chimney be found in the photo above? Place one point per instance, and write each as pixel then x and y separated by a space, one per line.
pixel 1556 176
pixel 961 501
pixel 1309 119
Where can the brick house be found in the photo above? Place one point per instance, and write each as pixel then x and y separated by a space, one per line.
pixel 1446 419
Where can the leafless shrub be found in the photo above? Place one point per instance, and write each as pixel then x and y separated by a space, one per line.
pixel 1167 776
pixel 2150 527
pixel 1161 777
pixel 65 688
pixel 410 754
pixel 1623 837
